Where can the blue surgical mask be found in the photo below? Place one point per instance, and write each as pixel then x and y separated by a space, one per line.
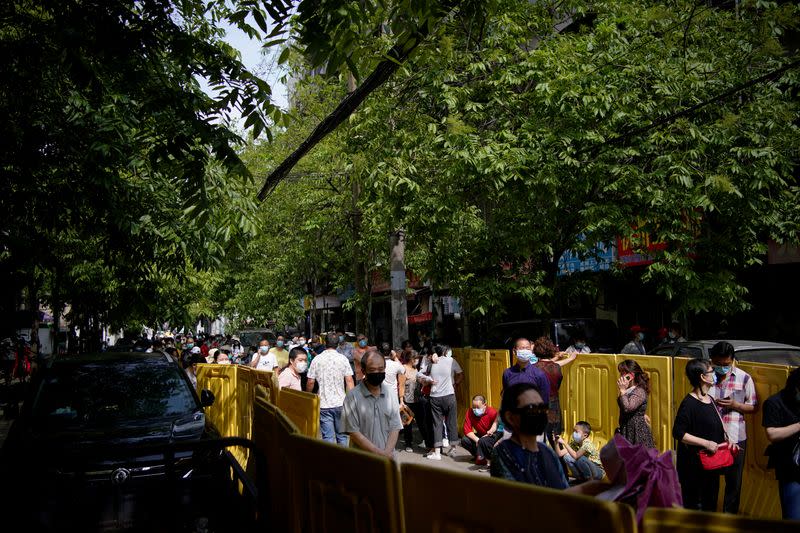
pixel 640 336
pixel 362 343
pixel 577 437
pixel 534 359
pixel 579 345
pixel 341 338
pixel 524 356
pixel 721 370
pixel 189 345
pixel 263 349
pixel 478 412
pixel 279 344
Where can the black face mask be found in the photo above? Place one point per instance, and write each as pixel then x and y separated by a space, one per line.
pixel 532 423
pixel 376 378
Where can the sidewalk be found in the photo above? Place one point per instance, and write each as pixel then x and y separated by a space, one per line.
pixel 462 461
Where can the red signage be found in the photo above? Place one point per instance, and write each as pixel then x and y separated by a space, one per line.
pixel 626 249
pixel 421 318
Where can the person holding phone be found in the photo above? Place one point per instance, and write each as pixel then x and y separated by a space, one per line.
pixel 633 389
pixel 735 395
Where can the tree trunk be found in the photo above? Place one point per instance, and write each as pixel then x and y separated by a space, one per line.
pixel 398 282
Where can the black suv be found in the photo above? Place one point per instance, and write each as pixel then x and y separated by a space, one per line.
pixel 100 437
pixel 601 335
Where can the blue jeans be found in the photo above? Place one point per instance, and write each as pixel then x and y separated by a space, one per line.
pixel 583 469
pixel 790 499
pixel 330 425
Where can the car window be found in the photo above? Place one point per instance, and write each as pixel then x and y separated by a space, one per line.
pixel 690 351
pixel 108 393
pixel 771 355
pixel 664 350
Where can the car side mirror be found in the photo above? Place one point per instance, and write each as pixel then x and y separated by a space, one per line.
pixel 206 398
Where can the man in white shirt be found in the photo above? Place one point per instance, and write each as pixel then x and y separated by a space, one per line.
pixel 263 359
pixel 335 377
pixel 443 373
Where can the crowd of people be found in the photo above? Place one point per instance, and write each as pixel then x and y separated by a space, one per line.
pixel 369 395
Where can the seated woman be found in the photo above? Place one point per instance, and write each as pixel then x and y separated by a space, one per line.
pixel 522 458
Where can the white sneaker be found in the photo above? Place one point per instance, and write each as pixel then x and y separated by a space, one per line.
pixel 435 456
pixel 445 443
pixel 409 449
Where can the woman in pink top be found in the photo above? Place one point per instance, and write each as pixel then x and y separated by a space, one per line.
pixel 290 375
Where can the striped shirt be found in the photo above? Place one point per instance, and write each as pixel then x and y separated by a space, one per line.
pixel 738 386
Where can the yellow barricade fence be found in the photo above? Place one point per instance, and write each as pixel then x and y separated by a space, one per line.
pixel 267 379
pixel 458 501
pixel 588 392
pixel 683 521
pixel 344 489
pixel 302 408
pixel 462 355
pixel 498 362
pixel 759 487
pixel 221 381
pixel 278 473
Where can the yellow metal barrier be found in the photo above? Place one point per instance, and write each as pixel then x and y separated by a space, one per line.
pixel 683 521
pixel 498 362
pixel 344 489
pixel 439 500
pixel 302 408
pixel 267 379
pixel 589 393
pixel 759 487
pixel 271 433
pixel 221 381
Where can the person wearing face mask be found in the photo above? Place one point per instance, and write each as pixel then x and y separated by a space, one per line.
pixel 525 370
pixel 674 333
pixel 371 412
pixel 636 344
pixel 280 352
pixel 291 376
pixel 782 424
pixel 735 396
pixel 480 430
pixel 344 347
pixel 522 457
pixel 633 388
pixel 581 455
pixel 698 429
pixel 263 359
pixel 362 345
pixel 578 345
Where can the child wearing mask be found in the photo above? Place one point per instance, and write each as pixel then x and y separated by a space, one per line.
pixel 581 455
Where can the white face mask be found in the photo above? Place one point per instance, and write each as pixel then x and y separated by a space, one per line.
pixel 577 437
pixel 224 362
pixel 302 366
pixel 263 349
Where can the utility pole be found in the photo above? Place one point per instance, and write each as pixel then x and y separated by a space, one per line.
pixel 398 277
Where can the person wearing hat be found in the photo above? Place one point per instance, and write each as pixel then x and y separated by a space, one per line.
pixel 636 345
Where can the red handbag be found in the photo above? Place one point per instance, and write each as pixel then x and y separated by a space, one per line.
pixel 725 453
pixel 722 458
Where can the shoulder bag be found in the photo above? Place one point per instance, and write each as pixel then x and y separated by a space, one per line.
pixel 725 453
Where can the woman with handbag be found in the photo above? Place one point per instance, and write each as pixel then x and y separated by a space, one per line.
pixel 703 450
pixel 782 423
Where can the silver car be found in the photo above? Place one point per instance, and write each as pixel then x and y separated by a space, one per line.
pixel 756 351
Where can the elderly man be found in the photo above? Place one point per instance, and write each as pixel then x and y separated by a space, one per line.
pixel 371 413
pixel 525 371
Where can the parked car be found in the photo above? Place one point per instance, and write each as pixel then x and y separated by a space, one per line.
pixel 251 337
pixel 87 429
pixel 756 351
pixel 602 335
